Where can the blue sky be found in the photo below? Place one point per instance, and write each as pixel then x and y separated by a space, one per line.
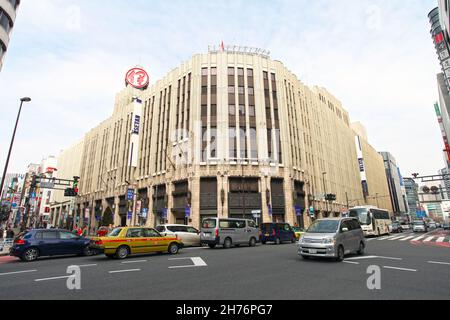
pixel 377 57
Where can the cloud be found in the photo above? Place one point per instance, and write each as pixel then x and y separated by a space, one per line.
pixel 375 56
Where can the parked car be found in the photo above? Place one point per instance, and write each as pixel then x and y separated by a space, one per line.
pixel 277 233
pixel 122 242
pixel 405 226
pixel 332 238
pixel 446 226
pixel 419 226
pixel 31 245
pixel 396 227
pixel 188 235
pixel 228 232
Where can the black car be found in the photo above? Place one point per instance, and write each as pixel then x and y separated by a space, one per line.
pixel 33 244
pixel 446 226
pixel 277 233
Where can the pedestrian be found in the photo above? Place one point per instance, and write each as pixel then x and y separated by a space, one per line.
pixel 1 233
pixel 10 233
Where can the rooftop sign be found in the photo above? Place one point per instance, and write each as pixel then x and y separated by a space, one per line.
pixel 238 49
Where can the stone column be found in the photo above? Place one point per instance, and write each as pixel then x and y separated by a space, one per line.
pixel 150 213
pixel 116 211
pixel 195 206
pixel 291 216
pixel 265 185
pixel 170 215
pixel 223 184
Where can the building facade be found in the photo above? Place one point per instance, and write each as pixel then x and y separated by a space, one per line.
pixel 8 9
pixel 62 208
pixel 227 134
pixel 395 184
pixel 412 196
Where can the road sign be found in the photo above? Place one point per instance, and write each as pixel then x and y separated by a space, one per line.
pixel 130 194
pixel 270 210
pixel 298 210
pixel 130 215
pixel 14 205
pixel 187 212
pixel 164 213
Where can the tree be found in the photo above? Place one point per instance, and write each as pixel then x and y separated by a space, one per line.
pixel 107 217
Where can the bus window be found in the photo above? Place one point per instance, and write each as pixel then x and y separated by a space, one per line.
pixel 362 214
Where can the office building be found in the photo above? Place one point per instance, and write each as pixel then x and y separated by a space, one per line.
pixel 8 9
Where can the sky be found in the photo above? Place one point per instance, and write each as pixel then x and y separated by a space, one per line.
pixel 70 57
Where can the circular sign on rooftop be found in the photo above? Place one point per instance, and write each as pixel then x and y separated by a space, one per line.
pixel 137 78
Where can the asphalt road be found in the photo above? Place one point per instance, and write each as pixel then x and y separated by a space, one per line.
pixel 409 270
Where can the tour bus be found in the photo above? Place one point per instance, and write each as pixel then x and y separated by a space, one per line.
pixel 374 221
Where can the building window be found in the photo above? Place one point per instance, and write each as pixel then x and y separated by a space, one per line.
pixel 252 111
pixel 250 72
pixel 231 89
pixel 213 142
pixel 213 110
pixel 251 91
pixel 214 71
pixel 232 142
pixel 243 142
pixel 232 110
pixel 241 90
pixel 204 111
pixel 253 143
pixel 240 72
pixel 204 71
pixel 231 71
pixel 242 110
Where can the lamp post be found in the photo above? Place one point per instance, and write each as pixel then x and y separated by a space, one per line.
pixel 26 99
pixel 325 190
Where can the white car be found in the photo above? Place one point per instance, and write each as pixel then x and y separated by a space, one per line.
pixel 187 234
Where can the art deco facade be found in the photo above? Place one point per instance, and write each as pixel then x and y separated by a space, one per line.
pixel 228 134
pixel 7 17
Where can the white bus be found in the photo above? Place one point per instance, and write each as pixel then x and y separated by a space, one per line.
pixel 374 221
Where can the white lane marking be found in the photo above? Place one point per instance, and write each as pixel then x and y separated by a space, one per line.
pixel 441 239
pixel 374 257
pixel 88 265
pixel 16 272
pixel 407 238
pixel 437 262
pixel 401 269
pixel 387 238
pixel 418 238
pixel 396 238
pixel 351 262
pixel 54 278
pixel 134 261
pixel 197 262
pixel 428 239
pixel 121 271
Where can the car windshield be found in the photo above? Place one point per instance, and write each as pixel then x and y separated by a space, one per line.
pixel 115 232
pixel 324 226
pixel 209 223
pixel 362 214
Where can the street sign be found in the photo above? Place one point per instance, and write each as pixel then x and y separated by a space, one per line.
pixel 256 213
pixel 187 212
pixel 129 215
pixel 298 210
pixel 164 213
pixel 130 194
pixel 270 210
pixel 47 185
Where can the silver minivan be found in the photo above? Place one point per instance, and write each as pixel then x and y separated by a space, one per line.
pixel 228 232
pixel 332 238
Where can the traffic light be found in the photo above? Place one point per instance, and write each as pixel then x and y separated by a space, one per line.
pixel 75 185
pixel 70 192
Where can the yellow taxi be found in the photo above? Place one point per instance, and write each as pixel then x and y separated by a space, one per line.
pixel 122 242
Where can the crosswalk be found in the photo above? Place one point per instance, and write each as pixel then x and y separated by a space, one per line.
pixel 415 238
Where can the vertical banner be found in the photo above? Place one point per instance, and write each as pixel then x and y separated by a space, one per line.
pixel 135 133
pixel 362 166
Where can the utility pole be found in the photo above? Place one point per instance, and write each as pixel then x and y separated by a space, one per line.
pixel 325 190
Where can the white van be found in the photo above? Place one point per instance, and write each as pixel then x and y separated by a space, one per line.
pixel 228 232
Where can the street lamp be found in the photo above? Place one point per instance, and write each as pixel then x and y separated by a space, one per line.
pixel 25 99
pixel 325 190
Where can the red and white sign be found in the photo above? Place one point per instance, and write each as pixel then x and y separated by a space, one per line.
pixel 137 78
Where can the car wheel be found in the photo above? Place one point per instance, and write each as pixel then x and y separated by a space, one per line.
pixel 340 254
pixel 227 243
pixel 277 241
pixel 212 245
pixel 173 248
pixel 87 252
pixel 122 252
pixel 362 247
pixel 252 242
pixel 30 255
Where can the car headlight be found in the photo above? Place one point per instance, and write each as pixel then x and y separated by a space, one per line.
pixel 328 240
pixel 301 240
